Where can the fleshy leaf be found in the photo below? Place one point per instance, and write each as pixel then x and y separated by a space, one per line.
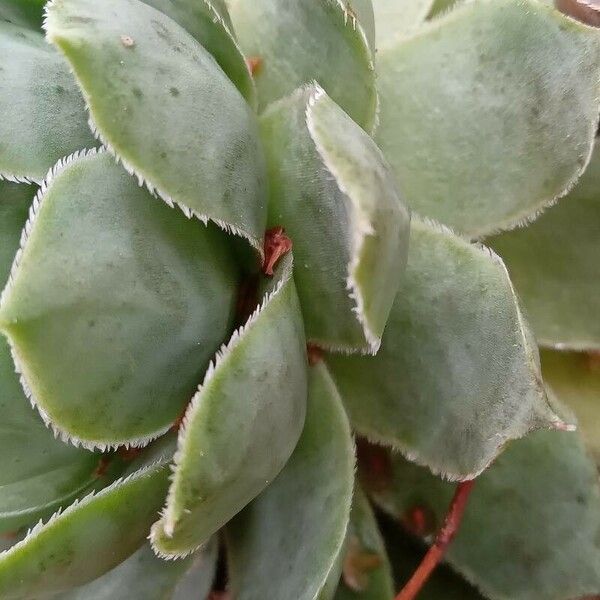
pixel 24 13
pixel 43 114
pixel 284 544
pixel 457 375
pixel 198 580
pixel 555 268
pixel 575 379
pixel 297 41
pixel 332 190
pixel 395 19
pixel 489 113
pixel 115 306
pixel 90 537
pixel 366 570
pixel 242 425
pixel 143 576
pixel 39 473
pixel 364 13
pixel 531 529
pixel 136 66
pixel 209 23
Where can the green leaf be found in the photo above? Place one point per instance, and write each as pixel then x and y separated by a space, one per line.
pixel 24 13
pixel 554 266
pixel 136 297
pixel 284 544
pixel 39 473
pixel 138 67
pixel 575 379
pixel 297 41
pixel 531 529
pixel 143 576
pixel 457 375
pixel 364 13
pixel 198 581
pixel 242 425
pixel 489 113
pixel 441 7
pixel 396 19
pixel 332 190
pixel 43 114
pixel 367 571
pixel 89 538
pixel 211 26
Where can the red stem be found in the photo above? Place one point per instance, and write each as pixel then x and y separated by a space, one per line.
pixel 444 537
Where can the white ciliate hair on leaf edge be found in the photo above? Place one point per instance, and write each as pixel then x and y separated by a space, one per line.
pixel 350 17
pixel 166 198
pixel 59 432
pixel 142 181
pixel 221 355
pixel 361 229
pixel 40 526
pixel 18 179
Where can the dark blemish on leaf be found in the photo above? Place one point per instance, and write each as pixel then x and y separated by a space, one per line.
pixel 137 92
pixel 174 92
pixel 163 155
pixel 127 41
pixel 60 89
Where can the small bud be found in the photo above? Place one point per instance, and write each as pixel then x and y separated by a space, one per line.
pixel 254 64
pixel 276 244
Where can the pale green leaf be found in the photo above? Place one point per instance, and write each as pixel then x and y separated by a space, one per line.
pixel 143 576
pixel 395 19
pixel 161 104
pixel 39 473
pixel 555 268
pixel 332 190
pixel 531 529
pixel 89 538
pixel 300 41
pixel 43 114
pixel 243 423
pixel 211 26
pixel 367 569
pixel 286 542
pixel 198 580
pixel 363 11
pixel 457 375
pixel 115 306
pixel 489 113
pixel 575 379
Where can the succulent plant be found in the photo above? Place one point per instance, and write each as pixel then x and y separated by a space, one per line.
pixel 235 363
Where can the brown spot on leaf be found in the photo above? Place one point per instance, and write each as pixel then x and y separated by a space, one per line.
pixel 254 65
pixel 127 41
pixel 374 465
pixel 314 353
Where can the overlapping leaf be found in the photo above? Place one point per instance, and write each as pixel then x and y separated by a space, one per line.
pixel 366 571
pixel 457 375
pixel 332 190
pixel 532 527
pixel 298 41
pixel 395 20
pixel 210 24
pixel 43 114
pixel 364 13
pixel 555 268
pixel 243 423
pixel 38 472
pixel 489 113
pixel 143 576
pixel 286 542
pixel 575 379
pixel 90 537
pixel 162 105
pixel 115 306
